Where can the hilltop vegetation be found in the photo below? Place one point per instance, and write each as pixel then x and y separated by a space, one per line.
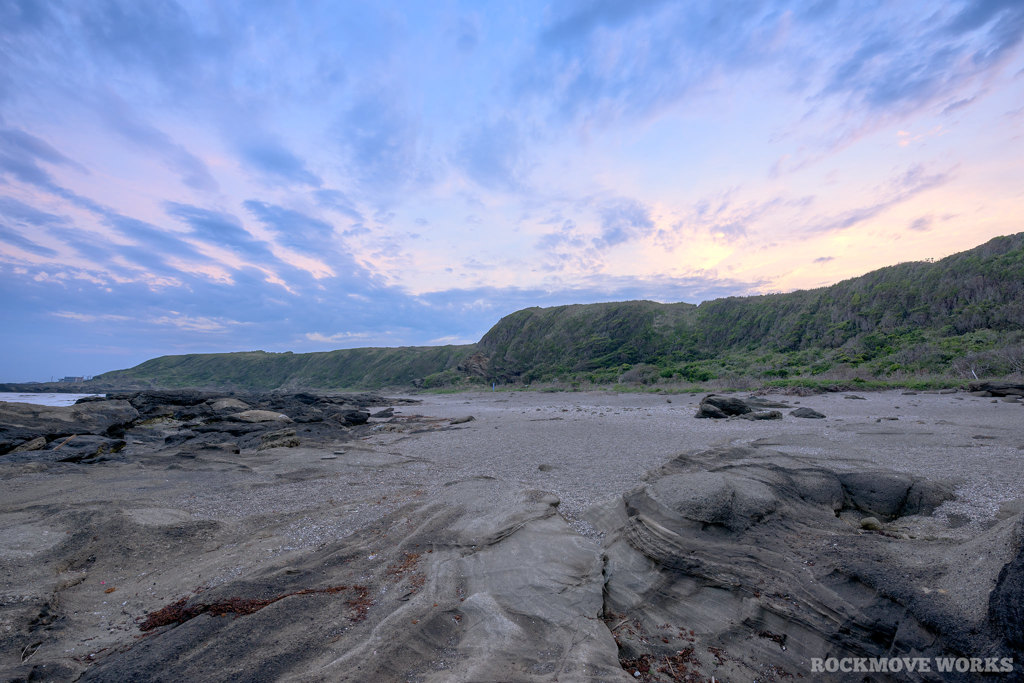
pixel 259 370
pixel 961 317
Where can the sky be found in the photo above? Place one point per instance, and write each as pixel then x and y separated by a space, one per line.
pixel 301 176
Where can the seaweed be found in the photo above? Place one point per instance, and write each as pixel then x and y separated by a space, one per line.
pixel 181 611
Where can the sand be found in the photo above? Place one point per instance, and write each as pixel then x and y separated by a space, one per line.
pixel 87 551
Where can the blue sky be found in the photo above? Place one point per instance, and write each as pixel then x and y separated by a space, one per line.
pixel 199 177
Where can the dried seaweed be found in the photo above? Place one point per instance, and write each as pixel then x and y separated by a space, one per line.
pixel 179 612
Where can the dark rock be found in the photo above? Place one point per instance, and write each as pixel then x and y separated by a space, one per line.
pixel 351 417
pixel 84 448
pixel 722 406
pixel 22 422
pixel 750 408
pixel 730 543
pixel 889 495
pixel 1006 603
pixel 387 412
pixel 807 412
pixel 35 444
pixel 281 438
pixel 162 403
pixel 997 388
pixel 709 410
pixel 178 438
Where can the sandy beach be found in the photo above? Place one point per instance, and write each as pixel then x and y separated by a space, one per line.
pixel 88 551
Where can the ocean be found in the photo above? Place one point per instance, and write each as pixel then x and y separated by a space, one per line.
pixel 42 399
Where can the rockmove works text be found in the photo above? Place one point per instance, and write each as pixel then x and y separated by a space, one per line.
pixel 992 665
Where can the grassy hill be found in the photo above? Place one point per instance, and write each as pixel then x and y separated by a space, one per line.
pixel 963 313
pixel 345 368
pixel 962 316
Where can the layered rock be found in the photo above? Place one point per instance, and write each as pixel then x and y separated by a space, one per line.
pixel 483 585
pixel 96 428
pixel 745 564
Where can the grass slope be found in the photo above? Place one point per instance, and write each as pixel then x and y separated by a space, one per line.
pixel 366 368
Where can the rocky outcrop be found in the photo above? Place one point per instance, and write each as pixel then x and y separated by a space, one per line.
pixel 750 408
pixel 482 585
pixel 996 389
pixel 737 563
pixel 22 423
pixel 1006 606
pixel 94 429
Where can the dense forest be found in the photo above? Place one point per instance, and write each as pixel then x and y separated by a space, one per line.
pixel 958 318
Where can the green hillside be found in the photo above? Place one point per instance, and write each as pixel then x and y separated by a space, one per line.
pixel 365 368
pixel 960 317
pixel 913 318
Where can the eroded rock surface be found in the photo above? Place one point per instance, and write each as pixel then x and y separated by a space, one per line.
pixel 98 429
pixel 212 548
pixel 743 564
pixel 480 586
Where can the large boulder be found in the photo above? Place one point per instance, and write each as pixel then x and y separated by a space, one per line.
pixel 751 408
pixel 719 407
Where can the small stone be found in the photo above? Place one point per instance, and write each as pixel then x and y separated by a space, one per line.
pixel 871 524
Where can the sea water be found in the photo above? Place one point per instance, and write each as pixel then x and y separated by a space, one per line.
pixel 42 399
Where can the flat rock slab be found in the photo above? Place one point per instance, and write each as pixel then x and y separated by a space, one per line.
pixel 480 586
